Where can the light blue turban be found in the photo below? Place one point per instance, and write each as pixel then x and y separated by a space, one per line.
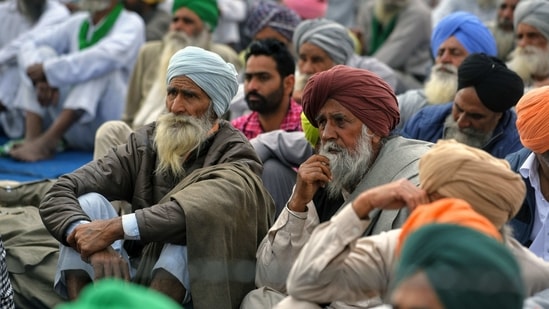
pixel 209 71
pixel 330 36
pixel 468 30
pixel 534 13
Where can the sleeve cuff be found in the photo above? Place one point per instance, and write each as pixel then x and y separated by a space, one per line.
pixel 129 224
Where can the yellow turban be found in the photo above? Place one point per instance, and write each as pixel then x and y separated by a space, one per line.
pixel 487 183
pixel 311 133
pixel 532 113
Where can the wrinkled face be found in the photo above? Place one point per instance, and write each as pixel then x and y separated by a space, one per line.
pixel 505 14
pixel 530 36
pixel 185 97
pixel 469 112
pixel 265 90
pixel 313 59
pixel 451 52
pixel 187 21
pixel 415 292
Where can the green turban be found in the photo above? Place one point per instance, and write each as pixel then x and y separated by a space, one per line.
pixel 205 9
pixel 466 268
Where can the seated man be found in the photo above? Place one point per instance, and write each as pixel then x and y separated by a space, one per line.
pixel 268 85
pixel 338 264
pixel 532 223
pixel 481 114
pixel 198 207
pixel 530 59
pixel 65 98
pixel 454 38
pixel 354 110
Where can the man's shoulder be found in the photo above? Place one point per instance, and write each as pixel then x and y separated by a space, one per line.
pixel 401 147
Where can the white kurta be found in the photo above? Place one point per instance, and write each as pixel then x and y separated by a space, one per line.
pixel 93 80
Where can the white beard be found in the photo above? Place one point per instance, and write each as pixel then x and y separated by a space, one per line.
pixel 348 167
pixel 442 84
pixel 177 136
pixel 94 6
pixel 529 61
pixel 487 4
pixel 467 136
pixel 505 41
pixel 385 10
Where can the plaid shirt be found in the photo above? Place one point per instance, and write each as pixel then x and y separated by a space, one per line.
pixel 6 292
pixel 251 127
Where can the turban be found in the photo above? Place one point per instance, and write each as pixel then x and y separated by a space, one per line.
pixel 205 9
pixel 209 71
pixel 534 13
pixel 487 183
pixel 311 133
pixel 532 113
pixel 112 293
pixel 497 87
pixel 465 268
pixel 308 9
pixel 362 92
pixel 328 35
pixel 468 30
pixel 274 15
pixel 450 211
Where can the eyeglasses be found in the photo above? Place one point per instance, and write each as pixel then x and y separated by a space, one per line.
pixel 186 20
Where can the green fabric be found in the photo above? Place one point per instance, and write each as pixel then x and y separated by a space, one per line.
pixel 117 294
pixel 467 269
pixel 101 31
pixel 380 33
pixel 205 9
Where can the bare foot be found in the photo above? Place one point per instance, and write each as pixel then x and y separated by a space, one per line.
pixel 35 150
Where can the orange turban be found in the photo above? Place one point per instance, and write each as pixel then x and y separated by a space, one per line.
pixel 487 183
pixel 448 210
pixel 362 92
pixel 532 125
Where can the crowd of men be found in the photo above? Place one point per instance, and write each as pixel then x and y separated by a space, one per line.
pixel 277 154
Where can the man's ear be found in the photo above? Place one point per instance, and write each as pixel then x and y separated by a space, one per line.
pixel 289 83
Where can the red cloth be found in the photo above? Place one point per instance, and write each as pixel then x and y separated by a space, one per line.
pixel 362 92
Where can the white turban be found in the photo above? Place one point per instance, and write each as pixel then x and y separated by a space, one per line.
pixel 534 13
pixel 209 71
pixel 330 36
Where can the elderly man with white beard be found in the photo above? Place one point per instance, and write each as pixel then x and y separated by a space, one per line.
pixel 355 111
pixel 198 206
pixel 530 59
pixel 481 114
pixel 502 28
pixel 454 38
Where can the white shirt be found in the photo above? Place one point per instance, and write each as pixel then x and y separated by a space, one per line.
pixel 540 230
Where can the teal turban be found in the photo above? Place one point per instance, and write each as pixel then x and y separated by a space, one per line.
pixel 205 9
pixel 117 294
pixel 209 71
pixel 467 269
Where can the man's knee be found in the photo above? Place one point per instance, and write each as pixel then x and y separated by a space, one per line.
pixel 109 135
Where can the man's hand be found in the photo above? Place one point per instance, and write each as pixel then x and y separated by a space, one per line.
pixel 312 174
pixel 46 95
pixel 109 263
pixel 36 73
pixel 393 195
pixel 98 235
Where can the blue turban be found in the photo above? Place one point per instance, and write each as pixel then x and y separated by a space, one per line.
pixel 468 30
pixel 209 71
pixel 328 35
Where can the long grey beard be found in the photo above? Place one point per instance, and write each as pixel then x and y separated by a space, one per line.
pixel 348 167
pixel 467 136
pixel 441 86
pixel 93 6
pixel 177 136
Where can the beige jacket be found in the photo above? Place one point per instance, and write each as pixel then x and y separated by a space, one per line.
pixel 339 264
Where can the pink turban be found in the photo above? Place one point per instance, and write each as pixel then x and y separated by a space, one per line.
pixel 308 9
pixel 362 92
pixel 532 125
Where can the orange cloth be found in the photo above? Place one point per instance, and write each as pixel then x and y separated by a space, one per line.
pixel 449 211
pixel 532 113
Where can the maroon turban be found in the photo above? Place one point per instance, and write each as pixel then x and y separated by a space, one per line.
pixel 362 92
